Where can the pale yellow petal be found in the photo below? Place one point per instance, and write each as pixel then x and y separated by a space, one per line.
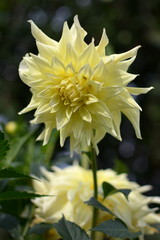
pixel 129 54
pixel 119 77
pixel 103 43
pixel 137 91
pixel 32 105
pixel 23 68
pixel 78 27
pixel 47 133
pixel 71 56
pixel 61 118
pixel 40 36
pixel 117 121
pixel 47 51
pixel 101 122
pixel 133 115
pixel 99 135
pixel 43 109
pixel 41 136
pixel 90 99
pixel 85 114
pixel 100 72
pixel 77 128
pixel 69 112
pixel 84 73
pixel 100 108
pixel 126 98
pixel 64 133
pixel 89 55
pixel 110 92
pixel 65 38
pixel 57 67
pixel 79 44
pixel 124 65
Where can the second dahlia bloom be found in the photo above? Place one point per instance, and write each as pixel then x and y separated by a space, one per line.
pixel 78 89
pixel 72 186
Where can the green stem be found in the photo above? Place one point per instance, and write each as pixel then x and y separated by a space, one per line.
pixel 50 147
pixel 94 171
pixel 30 215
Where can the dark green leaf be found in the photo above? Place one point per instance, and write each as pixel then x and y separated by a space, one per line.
pixel 70 231
pixel 120 166
pixel 4 146
pixel 95 203
pixel 157 226
pixel 10 224
pixel 10 173
pixel 109 189
pixel 16 146
pixel 40 228
pixel 9 195
pixel 116 229
pixel 125 192
pixel 155 236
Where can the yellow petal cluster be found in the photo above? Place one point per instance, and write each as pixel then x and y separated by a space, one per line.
pixel 71 186
pixel 78 89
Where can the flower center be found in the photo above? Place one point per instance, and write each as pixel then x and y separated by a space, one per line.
pixel 72 91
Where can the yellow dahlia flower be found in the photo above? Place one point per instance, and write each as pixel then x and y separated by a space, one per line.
pixel 73 185
pixel 78 89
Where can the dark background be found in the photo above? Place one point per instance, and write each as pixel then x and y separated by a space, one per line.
pixel 128 23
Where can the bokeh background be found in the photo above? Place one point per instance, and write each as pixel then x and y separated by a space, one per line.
pixel 128 24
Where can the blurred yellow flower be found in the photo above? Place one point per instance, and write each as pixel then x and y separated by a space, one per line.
pixel 78 89
pixel 73 185
pixel 11 127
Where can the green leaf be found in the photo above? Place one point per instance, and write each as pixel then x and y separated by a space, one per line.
pixel 16 146
pixel 116 229
pixel 40 228
pixel 70 231
pixel 109 189
pixel 157 226
pixel 10 195
pixel 155 236
pixel 120 166
pixel 95 203
pixel 4 146
pixel 10 224
pixel 10 173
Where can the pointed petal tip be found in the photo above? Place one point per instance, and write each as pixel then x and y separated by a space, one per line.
pixel 137 48
pixel 119 138
pixel 139 136
pixel 76 18
pixel 44 143
pixel 62 143
pixel 150 88
pixel 21 112
pixel 104 33
pixel 31 22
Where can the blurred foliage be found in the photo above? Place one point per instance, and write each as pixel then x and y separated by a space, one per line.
pixel 128 23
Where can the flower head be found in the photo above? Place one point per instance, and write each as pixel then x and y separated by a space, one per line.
pixel 78 89
pixel 71 186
